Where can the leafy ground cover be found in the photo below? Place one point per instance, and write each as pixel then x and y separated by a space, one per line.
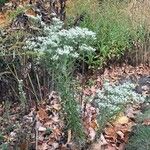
pixel 110 130
pixel 58 89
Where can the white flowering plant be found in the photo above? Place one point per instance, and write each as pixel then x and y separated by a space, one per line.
pixel 61 43
pixel 59 49
pixel 113 97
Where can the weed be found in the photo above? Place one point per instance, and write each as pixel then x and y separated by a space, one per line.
pixel 112 99
pixel 140 139
pixel 1 138
pixel 4 147
pixel 59 49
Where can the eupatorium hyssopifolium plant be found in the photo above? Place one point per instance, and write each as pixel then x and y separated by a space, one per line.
pixel 112 98
pixel 115 96
pixel 59 42
pixel 59 48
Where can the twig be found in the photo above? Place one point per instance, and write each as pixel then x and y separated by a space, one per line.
pixel 36 134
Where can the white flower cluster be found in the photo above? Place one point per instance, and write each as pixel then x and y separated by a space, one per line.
pixel 115 96
pixel 62 42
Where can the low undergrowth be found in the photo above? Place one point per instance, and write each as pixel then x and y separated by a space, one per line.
pixel 139 138
pixel 116 31
pixel 39 54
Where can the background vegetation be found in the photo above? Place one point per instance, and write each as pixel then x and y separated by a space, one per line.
pixel 121 27
pixel 38 56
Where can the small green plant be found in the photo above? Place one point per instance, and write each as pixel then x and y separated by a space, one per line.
pixel 10 128
pixel 16 12
pixel 3 2
pixel 48 131
pixel 115 96
pixel 1 138
pixel 112 99
pixel 140 139
pixel 144 116
pixel 4 147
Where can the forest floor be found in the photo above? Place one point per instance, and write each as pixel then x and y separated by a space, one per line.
pixel 45 129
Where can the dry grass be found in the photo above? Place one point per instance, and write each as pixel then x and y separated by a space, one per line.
pixel 75 7
pixel 139 11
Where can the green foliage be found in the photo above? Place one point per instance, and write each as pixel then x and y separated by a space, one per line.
pixel 144 116
pixel 58 49
pixel 13 14
pixel 4 147
pixel 140 139
pixel 1 138
pixel 3 1
pixel 48 131
pixel 112 99
pixel 114 29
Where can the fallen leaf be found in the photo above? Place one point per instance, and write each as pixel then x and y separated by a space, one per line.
pixel 130 112
pixel 110 147
pixel 87 92
pixel 146 122
pixel 121 146
pixel 57 106
pixel 31 12
pixel 3 19
pixel 94 124
pixel 103 140
pixel 96 146
pixel 44 146
pixel 41 129
pixel 42 114
pixel 92 133
pixel 122 120
pixel 93 90
pixel 121 134
pixel 100 144
pixel 24 145
pixel 55 145
pixel 110 131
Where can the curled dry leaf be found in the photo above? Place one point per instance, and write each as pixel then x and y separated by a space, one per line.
pixel 56 107
pixel 103 140
pixel 146 122
pixel 122 120
pixel 121 134
pixel 42 114
pixel 41 129
pixel 110 131
pixel 3 20
pixel 43 146
pixel 92 133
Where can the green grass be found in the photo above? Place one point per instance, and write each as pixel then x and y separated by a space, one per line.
pixel 140 139
pixel 115 29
